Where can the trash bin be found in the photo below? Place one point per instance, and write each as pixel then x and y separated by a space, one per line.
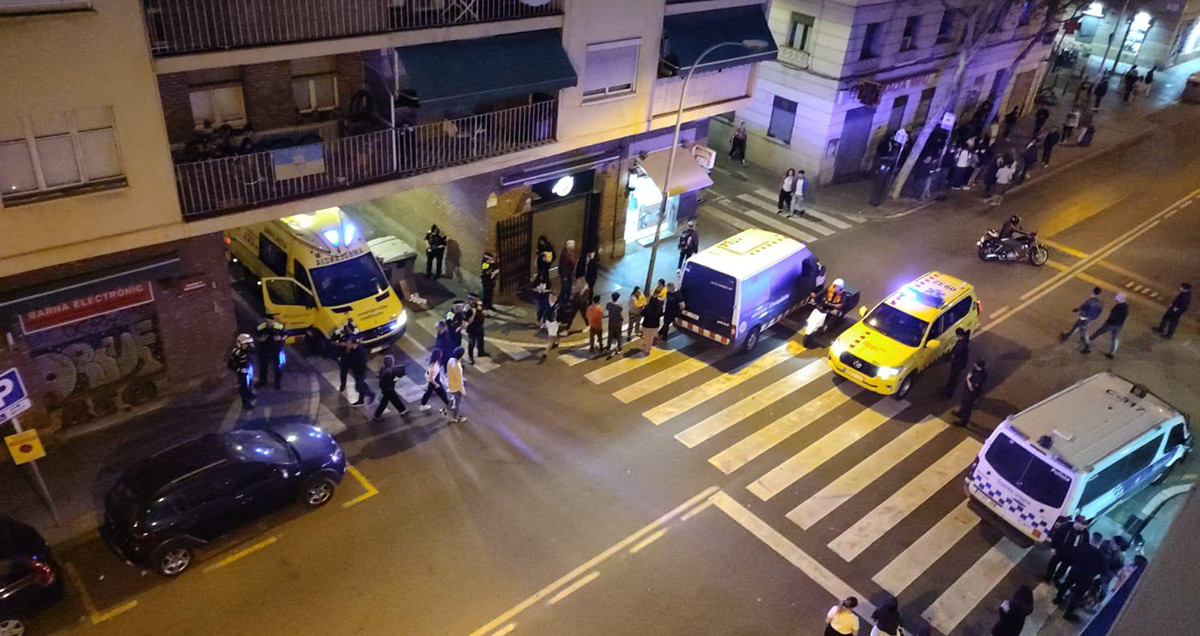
pixel 397 259
pixel 1191 91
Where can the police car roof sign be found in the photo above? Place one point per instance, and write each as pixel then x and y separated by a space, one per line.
pixel 14 400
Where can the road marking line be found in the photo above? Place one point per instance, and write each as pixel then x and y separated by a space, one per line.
pixel 811 568
pixel 697 510
pixel 1059 279
pixel 625 365
pixel 1138 288
pixel 647 541
pixel 231 416
pixel 94 614
pixel 314 395
pixel 832 220
pixel 483 364
pixel 721 383
pixel 837 440
pixel 575 355
pixel 415 350
pixel 863 474
pixel 752 404
pixel 574 587
pixel 896 508
pixel 1064 249
pixel 765 209
pixel 773 220
pixel 964 594
pixel 511 350
pixel 328 422
pixel 1043 607
pixel 594 561
pixel 239 554
pixel 918 557
pixel 776 432
pixel 370 490
pixel 1134 276
pixel 505 630
pixel 672 374
pixel 1145 302
pixel 1128 285
pixel 725 217
pixel 769 206
pixel 998 312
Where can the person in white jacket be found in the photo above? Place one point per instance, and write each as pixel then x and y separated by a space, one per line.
pixel 454 384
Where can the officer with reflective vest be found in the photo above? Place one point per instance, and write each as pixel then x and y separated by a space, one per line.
pixel 489 272
pixel 269 337
pixel 239 362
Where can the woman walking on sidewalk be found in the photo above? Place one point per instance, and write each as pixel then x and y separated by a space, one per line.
pixel 737 145
pixel 637 302
pixel 433 381
pixel 785 191
pixel 841 620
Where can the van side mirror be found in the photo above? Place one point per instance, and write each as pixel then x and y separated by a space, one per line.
pixel 862 312
pixel 933 343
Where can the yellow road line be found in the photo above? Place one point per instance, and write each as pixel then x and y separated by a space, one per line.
pixel 574 587
pixel 647 541
pixel 593 562
pixel 371 491
pixel 1105 264
pixel 89 605
pixel 505 630
pixel 240 553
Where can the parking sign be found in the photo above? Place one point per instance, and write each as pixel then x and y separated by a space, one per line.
pixel 14 400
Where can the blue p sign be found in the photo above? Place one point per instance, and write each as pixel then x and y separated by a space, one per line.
pixel 13 398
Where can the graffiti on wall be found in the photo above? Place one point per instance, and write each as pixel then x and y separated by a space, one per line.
pixel 98 367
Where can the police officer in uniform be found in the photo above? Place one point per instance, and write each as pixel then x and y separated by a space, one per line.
pixel 239 363
pixel 490 271
pixel 435 250
pixel 341 340
pixel 973 389
pixel 268 344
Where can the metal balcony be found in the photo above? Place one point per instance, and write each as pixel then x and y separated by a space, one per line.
pixel 241 182
pixel 191 26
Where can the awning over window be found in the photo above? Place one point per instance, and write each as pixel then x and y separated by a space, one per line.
pixel 686 174
pixel 488 68
pixel 687 35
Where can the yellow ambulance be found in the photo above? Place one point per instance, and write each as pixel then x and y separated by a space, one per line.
pixel 905 333
pixel 315 271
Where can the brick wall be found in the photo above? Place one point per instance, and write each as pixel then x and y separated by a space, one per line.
pixel 350 77
pixel 267 89
pixel 177 107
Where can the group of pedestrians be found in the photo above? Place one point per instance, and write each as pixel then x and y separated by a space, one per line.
pixel 1090 309
pixel 650 317
pixel 1085 566
pixel 792 193
pixel 841 619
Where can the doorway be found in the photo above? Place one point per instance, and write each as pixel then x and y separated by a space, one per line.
pixel 856 133
pixel 560 223
pixel 896 119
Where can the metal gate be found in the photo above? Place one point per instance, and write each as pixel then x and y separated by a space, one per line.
pixel 514 237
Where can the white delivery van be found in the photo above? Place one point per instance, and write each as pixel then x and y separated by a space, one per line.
pixel 741 286
pixel 1080 451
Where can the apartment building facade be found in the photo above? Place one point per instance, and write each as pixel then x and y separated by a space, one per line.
pixel 126 155
pixel 1145 33
pixel 807 112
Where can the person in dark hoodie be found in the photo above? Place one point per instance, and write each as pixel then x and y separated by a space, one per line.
pixel 886 618
pixel 1013 613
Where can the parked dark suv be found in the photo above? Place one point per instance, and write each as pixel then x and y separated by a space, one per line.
pixel 29 576
pixel 165 507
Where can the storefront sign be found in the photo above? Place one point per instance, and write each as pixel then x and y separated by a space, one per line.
pixel 86 307
pixel 902 84
pixel 705 156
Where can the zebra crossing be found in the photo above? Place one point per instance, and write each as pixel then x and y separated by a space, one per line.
pixel 784 428
pixel 758 208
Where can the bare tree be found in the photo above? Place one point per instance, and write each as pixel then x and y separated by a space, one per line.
pixel 978 18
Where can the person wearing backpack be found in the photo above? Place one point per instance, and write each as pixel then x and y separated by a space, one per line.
pixel 1085 313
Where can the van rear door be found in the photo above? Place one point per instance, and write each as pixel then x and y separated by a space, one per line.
pixel 709 297
pixel 291 302
pixel 1019 484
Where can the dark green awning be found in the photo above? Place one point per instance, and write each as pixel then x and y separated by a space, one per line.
pixel 487 68
pixel 687 35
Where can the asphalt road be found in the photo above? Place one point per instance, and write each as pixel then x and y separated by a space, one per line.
pixel 706 492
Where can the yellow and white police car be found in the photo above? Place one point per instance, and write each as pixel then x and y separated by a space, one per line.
pixel 905 333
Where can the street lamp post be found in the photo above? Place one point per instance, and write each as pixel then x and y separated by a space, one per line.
pixel 754 45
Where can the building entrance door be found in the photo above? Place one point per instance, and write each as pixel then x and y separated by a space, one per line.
pixel 560 223
pixel 856 133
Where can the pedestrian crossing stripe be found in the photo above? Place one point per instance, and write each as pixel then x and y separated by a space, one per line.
pixel 771 219
pixel 625 365
pixel 863 474
pixel 918 557
pixel 904 501
pixel 773 197
pixel 674 373
pixel 817 453
pixel 965 594
pixel 756 199
pixel 752 404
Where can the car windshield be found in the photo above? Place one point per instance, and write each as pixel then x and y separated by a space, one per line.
pixel 260 446
pixel 348 281
pixel 1029 473
pixel 897 325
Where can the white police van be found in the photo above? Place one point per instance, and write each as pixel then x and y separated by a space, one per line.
pixel 735 289
pixel 1080 451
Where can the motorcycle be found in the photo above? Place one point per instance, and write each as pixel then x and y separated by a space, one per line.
pixel 822 318
pixel 993 248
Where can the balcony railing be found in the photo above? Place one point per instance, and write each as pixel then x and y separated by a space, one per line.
pixel 190 26
pixel 230 184
pixel 713 87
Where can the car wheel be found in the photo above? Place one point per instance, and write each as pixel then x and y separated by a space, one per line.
pixel 904 388
pixel 172 559
pixel 1039 255
pixel 751 340
pixel 12 627
pixel 317 491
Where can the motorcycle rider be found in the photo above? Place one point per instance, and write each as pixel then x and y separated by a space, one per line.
pixel 1011 234
pixel 833 301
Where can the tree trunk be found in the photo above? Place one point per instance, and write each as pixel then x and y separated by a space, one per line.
pixel 942 103
pixel 1052 11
